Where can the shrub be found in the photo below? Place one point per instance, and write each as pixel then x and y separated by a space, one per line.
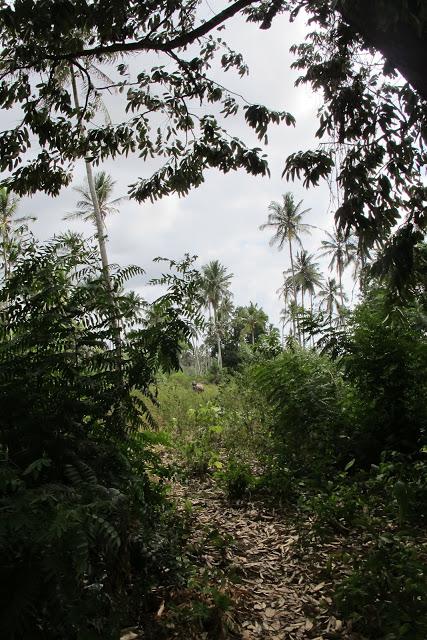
pixel 386 594
pixel 237 479
pixel 81 522
pixel 314 413
pixel 385 357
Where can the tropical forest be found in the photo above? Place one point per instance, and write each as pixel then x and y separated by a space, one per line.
pixel 213 320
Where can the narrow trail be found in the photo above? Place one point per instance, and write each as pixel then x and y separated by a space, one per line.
pixel 275 581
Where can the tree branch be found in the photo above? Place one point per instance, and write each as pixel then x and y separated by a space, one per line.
pixel 149 44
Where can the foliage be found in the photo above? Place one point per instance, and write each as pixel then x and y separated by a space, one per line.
pixel 82 533
pixel 385 356
pixel 104 185
pixel 386 594
pixel 314 410
pixel 372 126
pixel 35 51
pixel 13 230
pixel 201 451
pixel 237 479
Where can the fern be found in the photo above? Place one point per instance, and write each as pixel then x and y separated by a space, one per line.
pixel 76 502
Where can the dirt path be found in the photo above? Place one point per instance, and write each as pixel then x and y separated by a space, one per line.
pixel 274 582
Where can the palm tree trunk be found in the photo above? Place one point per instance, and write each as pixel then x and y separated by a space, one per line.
pixel 5 256
pixel 218 340
pixel 311 314
pixel 196 359
pixel 340 269
pixel 302 305
pixel 100 229
pixel 296 328
pixel 6 264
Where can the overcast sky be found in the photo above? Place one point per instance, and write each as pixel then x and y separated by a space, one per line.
pixel 219 220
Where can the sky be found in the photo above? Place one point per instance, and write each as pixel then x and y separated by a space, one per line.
pixel 220 219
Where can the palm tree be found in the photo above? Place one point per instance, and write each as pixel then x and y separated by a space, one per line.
pixel 104 185
pixel 307 275
pixel 342 251
pixel 215 287
pixel 254 319
pixel 284 292
pixel 99 222
pixel 10 227
pixel 331 296
pixel 286 220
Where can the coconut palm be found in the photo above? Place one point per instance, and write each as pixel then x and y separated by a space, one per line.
pixel 254 318
pixel 10 227
pixel 330 297
pixel 307 275
pixel 99 222
pixel 285 292
pixel 286 220
pixel 215 288
pixel 104 185
pixel 342 252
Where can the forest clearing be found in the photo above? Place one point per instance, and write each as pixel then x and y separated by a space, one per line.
pixel 213 320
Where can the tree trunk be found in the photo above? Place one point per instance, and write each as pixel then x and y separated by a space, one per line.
pixel 218 340
pixel 311 314
pixel 340 270
pixel 402 43
pixel 296 327
pixel 197 366
pixel 5 256
pixel 302 305
pixel 100 228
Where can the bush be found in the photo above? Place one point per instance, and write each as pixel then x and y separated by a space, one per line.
pixel 386 594
pixel 237 479
pixel 385 357
pixel 81 527
pixel 314 413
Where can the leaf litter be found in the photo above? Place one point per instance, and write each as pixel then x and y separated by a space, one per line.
pixel 258 574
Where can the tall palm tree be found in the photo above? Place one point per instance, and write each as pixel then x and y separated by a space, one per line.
pixel 342 252
pixel 216 288
pixel 99 222
pixel 284 292
pixel 285 219
pixel 255 318
pixel 104 185
pixel 307 275
pixel 331 296
pixel 307 278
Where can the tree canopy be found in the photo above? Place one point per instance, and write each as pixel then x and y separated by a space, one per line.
pixel 38 40
pixel 372 126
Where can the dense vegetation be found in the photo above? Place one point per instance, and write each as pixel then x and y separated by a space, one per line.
pixel 108 402
pixel 341 440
